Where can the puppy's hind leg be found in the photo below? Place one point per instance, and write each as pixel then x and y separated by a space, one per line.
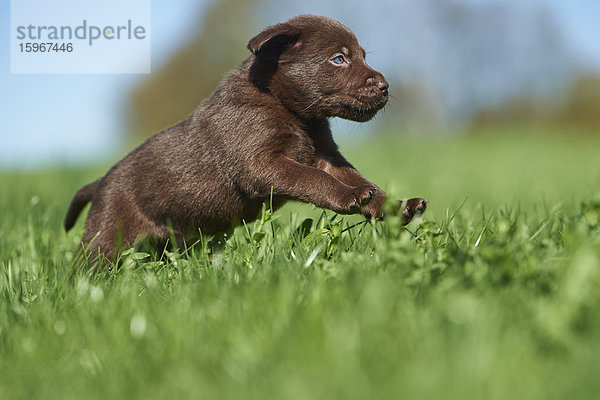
pixel 93 255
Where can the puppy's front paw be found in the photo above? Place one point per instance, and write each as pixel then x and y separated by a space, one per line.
pixel 412 208
pixel 357 197
pixel 375 207
pixel 362 196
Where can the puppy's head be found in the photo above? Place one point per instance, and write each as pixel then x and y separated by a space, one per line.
pixel 316 67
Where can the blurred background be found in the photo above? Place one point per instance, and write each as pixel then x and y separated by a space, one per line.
pixel 458 68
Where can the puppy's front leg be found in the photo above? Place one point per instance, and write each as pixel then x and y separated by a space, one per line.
pixel 337 166
pixel 308 184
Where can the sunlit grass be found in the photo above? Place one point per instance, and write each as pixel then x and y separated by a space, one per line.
pixel 495 295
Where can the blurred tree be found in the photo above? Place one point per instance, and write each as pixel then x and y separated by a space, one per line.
pixel 467 56
pixel 193 72
pixel 522 110
pixel 579 107
pixel 582 107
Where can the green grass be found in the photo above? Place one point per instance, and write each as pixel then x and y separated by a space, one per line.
pixel 495 296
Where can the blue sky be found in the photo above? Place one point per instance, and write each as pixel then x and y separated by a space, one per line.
pixel 72 118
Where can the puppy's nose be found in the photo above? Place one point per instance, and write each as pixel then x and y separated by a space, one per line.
pixel 383 85
pixel 379 81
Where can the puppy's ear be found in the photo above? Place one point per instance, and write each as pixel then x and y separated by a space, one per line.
pixel 274 40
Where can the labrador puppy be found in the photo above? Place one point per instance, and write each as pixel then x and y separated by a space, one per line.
pixel 263 133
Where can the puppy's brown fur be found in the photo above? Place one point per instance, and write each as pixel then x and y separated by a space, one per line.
pixel 264 128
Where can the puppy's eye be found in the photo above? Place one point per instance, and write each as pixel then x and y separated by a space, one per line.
pixel 339 60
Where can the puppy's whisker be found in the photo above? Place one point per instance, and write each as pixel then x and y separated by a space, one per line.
pixel 310 105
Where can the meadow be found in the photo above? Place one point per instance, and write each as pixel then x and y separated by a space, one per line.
pixel 495 294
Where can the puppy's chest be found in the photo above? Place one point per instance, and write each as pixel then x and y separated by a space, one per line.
pixel 302 150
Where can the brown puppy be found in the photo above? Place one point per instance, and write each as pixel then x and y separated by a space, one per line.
pixel 265 129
